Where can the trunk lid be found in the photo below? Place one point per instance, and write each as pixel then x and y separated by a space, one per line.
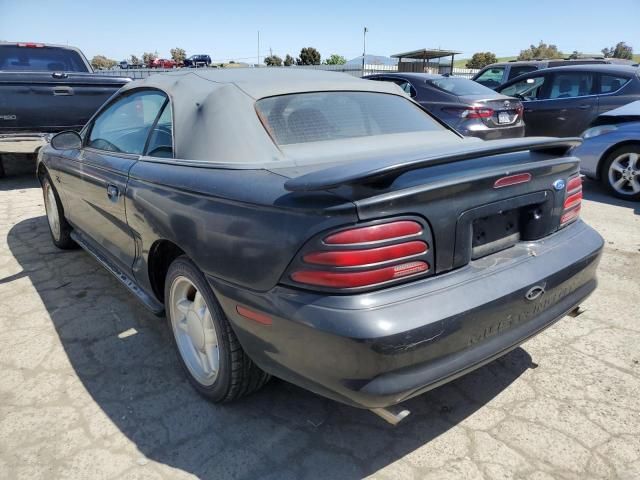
pixel 51 101
pixel 454 189
pixel 507 111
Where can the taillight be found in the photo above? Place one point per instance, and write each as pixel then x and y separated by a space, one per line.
pixel 471 112
pixel 572 201
pixel 367 256
pixel 31 45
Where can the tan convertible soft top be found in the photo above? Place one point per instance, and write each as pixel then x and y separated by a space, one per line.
pixel 214 113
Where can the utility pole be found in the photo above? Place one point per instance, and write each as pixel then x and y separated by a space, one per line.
pixel 364 47
pixel 258 63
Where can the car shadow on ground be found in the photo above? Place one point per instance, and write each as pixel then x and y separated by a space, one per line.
pixel 124 359
pixel 596 192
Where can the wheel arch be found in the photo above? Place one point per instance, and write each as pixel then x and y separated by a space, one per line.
pixel 609 151
pixel 161 254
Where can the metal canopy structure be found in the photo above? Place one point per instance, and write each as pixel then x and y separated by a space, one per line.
pixel 421 60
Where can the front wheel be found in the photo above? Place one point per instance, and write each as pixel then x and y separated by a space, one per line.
pixel 621 172
pixel 208 349
pixel 59 228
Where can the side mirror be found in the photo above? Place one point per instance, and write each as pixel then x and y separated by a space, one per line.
pixel 67 140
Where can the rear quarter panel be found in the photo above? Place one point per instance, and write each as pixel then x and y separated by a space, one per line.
pixel 239 226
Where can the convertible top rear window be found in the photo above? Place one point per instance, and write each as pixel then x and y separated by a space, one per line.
pixel 323 116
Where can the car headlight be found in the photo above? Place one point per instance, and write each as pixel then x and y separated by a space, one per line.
pixel 597 131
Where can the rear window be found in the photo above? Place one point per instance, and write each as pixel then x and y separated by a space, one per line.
pixel 460 86
pixel 40 59
pixel 323 116
pixel 612 83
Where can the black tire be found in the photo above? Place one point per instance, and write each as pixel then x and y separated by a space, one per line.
pixel 237 374
pixel 606 167
pixel 62 236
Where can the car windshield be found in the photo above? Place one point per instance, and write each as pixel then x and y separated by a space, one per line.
pixel 40 58
pixel 460 86
pixel 323 116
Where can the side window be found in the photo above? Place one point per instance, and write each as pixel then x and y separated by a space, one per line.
pixel 492 77
pixel 406 86
pixel 517 71
pixel 611 83
pixel 124 126
pixel 161 139
pixel 528 89
pixel 571 85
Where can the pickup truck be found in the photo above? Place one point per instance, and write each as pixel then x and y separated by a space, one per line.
pixel 45 89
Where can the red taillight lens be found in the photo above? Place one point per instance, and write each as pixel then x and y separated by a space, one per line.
pixel 470 112
pixel 365 256
pixel 478 112
pixel 572 201
pixel 351 258
pixel 335 279
pixel 512 180
pixel 375 233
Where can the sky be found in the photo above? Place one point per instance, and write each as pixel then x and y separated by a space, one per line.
pixel 228 30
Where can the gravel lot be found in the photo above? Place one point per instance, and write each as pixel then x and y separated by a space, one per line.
pixel 89 385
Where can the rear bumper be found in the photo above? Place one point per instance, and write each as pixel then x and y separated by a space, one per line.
pixel 380 348
pixel 489 133
pixel 23 142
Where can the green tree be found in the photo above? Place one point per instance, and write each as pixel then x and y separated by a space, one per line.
pixel 542 50
pixel 273 61
pixel 335 59
pixel 134 60
pixel 100 62
pixel 482 59
pixel 178 54
pixel 575 55
pixel 289 60
pixel 621 50
pixel 148 58
pixel 309 56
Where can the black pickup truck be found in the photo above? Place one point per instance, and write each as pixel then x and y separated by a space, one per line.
pixel 45 89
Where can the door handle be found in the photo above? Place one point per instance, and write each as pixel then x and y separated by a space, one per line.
pixel 57 91
pixel 584 107
pixel 112 192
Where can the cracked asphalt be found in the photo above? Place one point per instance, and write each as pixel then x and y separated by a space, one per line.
pixel 90 388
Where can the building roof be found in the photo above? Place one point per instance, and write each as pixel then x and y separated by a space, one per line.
pixel 426 54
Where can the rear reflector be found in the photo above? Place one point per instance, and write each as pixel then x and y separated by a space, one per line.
pixel 259 317
pixel 375 233
pixel 512 180
pixel 335 279
pixel 350 258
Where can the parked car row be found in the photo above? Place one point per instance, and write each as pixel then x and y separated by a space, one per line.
pixel 194 61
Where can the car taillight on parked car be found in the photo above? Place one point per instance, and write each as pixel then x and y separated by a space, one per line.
pixel 572 201
pixel 471 112
pixel 361 257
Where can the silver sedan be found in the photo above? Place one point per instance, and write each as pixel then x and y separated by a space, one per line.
pixel 611 151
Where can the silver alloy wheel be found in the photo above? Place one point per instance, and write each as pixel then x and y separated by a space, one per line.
pixel 624 174
pixel 194 331
pixel 51 207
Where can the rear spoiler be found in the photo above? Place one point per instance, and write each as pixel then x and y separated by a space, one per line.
pixel 368 171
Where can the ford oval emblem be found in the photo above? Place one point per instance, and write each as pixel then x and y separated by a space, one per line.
pixel 559 184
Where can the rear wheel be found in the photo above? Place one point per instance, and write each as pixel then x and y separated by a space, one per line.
pixel 621 172
pixel 207 347
pixel 59 228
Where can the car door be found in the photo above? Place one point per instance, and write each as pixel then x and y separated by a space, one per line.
pixel 531 90
pixel 98 173
pixel 570 104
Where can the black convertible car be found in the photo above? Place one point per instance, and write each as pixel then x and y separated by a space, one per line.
pixel 321 228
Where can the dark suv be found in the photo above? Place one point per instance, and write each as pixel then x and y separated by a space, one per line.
pixel 198 61
pixel 497 74
pixel 563 101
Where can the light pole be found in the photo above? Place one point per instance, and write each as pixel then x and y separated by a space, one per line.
pixel 364 47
